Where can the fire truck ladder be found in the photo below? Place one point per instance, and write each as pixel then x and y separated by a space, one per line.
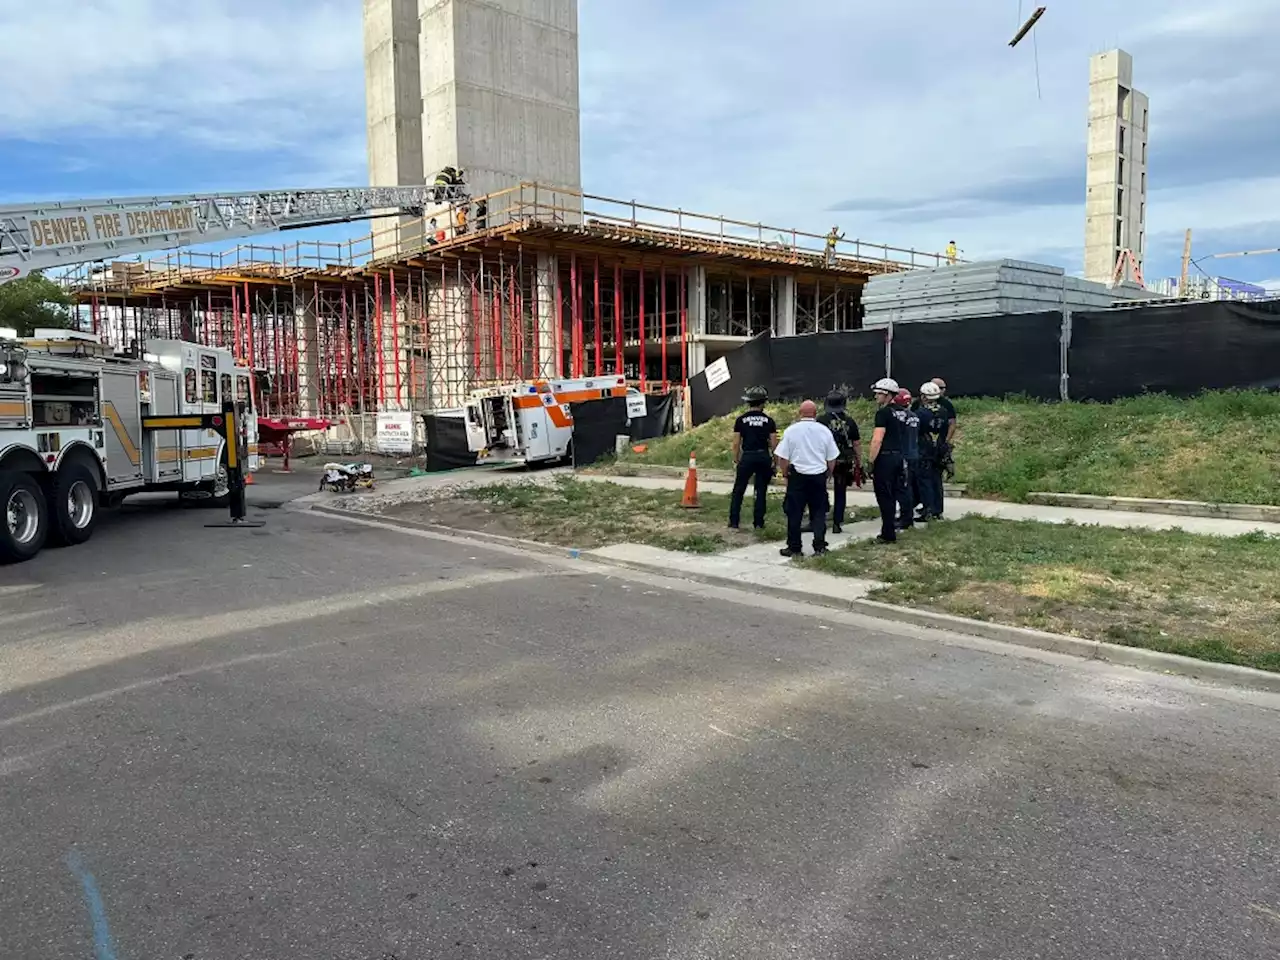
pixel 60 233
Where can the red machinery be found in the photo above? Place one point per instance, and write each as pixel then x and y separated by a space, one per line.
pixel 275 434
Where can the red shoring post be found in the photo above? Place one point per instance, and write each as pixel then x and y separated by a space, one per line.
pixel 617 318
pixel 495 331
pixel 362 373
pixel 513 311
pixel 475 329
pixel 599 331
pixel 643 379
pixel 558 370
pixel 684 330
pixel 575 319
pixel 663 300
pixel 395 334
pixel 534 355
pixel 278 361
pixel 343 350
pixel 235 326
pixel 248 325
pixel 377 327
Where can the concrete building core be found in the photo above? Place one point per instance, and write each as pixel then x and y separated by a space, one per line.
pixel 393 99
pixel 486 86
pixel 500 91
pixel 1116 178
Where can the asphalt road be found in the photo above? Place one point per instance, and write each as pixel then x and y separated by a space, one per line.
pixel 327 740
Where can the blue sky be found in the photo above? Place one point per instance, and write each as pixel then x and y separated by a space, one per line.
pixel 910 124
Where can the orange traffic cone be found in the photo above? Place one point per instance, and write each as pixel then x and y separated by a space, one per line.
pixel 690 499
pixel 248 480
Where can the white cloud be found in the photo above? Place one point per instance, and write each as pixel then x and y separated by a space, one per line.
pixel 725 106
pixel 231 74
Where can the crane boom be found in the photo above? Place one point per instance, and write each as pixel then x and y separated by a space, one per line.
pixel 39 236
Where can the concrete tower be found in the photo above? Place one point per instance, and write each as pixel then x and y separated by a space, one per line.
pixel 500 91
pixel 490 86
pixel 1116 180
pixel 393 102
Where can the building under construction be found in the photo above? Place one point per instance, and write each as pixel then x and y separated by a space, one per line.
pixel 533 282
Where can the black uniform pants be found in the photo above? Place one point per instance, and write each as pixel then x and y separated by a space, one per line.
pixel 841 480
pixel 907 490
pixel 889 476
pixel 806 491
pixel 755 467
pixel 928 486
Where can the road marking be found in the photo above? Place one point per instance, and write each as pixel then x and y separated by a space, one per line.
pixel 102 948
pixel 726 733
pixel 1265 911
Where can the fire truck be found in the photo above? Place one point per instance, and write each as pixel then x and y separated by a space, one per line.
pixel 72 439
pixel 530 421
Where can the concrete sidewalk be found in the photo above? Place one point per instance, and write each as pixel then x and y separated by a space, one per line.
pixel 962 506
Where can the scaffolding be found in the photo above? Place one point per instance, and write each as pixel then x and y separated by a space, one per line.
pixel 552 283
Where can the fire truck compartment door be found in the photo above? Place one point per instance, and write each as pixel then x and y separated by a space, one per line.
pixel 477 438
pixel 164 451
pixel 122 421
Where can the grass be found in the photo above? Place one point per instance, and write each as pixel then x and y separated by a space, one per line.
pixel 1222 447
pixel 1205 597
pixel 576 513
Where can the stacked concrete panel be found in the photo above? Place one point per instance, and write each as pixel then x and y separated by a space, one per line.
pixel 982 290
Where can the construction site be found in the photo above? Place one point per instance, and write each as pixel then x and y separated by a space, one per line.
pixel 540 282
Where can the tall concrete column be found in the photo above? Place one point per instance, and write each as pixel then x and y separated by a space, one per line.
pixel 784 317
pixel 309 383
pixel 499 96
pixel 697 319
pixel 393 111
pixel 548 359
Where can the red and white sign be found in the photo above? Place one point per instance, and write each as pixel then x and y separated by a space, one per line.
pixel 394 433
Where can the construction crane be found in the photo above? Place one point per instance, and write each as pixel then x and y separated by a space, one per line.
pixel 40 236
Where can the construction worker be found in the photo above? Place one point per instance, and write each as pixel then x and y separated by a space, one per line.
pixel 886 455
pixel 433 232
pixel 482 214
pixel 755 434
pixel 460 219
pixel 953 252
pixel 848 469
pixel 834 237
pixel 910 421
pixel 928 476
pixel 807 454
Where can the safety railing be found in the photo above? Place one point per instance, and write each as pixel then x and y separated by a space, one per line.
pixel 525 205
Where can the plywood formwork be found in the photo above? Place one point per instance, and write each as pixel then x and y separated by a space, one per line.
pixel 525 290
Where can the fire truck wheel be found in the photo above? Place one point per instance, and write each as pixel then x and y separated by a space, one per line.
pixel 24 517
pixel 73 504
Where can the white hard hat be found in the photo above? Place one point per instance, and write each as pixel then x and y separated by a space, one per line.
pixel 885 385
pixel 930 389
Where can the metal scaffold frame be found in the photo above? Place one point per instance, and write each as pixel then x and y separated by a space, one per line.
pixel 555 284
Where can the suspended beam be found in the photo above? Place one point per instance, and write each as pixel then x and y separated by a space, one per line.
pixel 1026 27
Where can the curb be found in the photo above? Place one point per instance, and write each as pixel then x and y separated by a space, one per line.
pixel 1137 657
pixel 1177 508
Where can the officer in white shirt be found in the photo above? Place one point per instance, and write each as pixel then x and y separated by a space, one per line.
pixel 807 454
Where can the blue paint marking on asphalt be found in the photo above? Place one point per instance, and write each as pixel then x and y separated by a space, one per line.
pixel 102 948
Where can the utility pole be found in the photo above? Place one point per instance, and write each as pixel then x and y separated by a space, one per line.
pixel 1186 264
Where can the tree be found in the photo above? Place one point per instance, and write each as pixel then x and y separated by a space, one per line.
pixel 34 301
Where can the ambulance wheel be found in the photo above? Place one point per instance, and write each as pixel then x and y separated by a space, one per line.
pixel 24 517
pixel 73 504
